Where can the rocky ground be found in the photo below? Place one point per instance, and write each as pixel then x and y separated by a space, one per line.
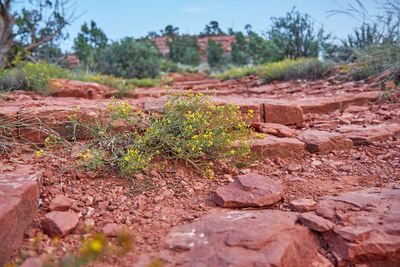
pixel 323 191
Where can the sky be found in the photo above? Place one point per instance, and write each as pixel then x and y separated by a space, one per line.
pixel 121 18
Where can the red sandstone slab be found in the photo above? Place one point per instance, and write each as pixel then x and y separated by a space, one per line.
pixel 286 114
pixel 18 203
pixel 324 142
pixel 272 146
pixel 325 105
pixel 361 135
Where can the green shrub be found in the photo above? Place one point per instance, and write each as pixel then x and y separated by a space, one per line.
pixel 121 84
pixel 289 69
pixel 130 58
pixel 190 128
pixel 303 68
pixel 184 49
pixel 31 76
pixel 215 53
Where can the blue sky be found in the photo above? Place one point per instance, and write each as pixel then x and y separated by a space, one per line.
pixel 120 18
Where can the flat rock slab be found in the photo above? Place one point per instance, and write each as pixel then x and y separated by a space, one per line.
pixel 324 142
pixel 243 238
pixel 303 205
pixel 315 222
pixel 282 113
pixel 276 129
pixel 367 227
pixel 18 204
pixel 361 135
pixel 249 190
pixel 271 146
pixel 325 105
pixel 60 203
pixel 60 223
pixel 71 88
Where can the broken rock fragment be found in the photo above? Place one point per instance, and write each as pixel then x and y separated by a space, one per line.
pixel 249 190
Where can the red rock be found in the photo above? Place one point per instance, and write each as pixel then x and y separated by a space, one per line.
pixel 282 114
pixel 244 238
pixel 18 204
pixel 325 105
pixel 32 262
pixel 113 229
pixel 303 205
pixel 365 135
pixel 249 190
pixel 315 222
pixel 60 223
pixel 71 88
pixel 61 203
pixel 324 142
pixel 277 130
pixel 366 227
pixel 354 233
pixel 272 146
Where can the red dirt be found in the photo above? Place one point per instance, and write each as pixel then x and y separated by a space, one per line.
pixel 152 203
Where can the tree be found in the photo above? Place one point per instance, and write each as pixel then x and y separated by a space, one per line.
pixel 261 51
pixel 215 53
pixel 239 50
pixel 88 41
pixel 212 29
pixel 152 34
pixel 7 22
pixel 295 36
pixel 184 49
pixel 170 31
pixel 38 23
pixel 130 58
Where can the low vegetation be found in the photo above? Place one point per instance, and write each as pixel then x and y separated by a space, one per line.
pixel 289 69
pixel 190 128
pixel 36 76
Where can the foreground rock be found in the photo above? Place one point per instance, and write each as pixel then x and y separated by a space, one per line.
pixel 361 135
pixel 303 205
pixel 244 238
pixel 367 227
pixel 249 190
pixel 278 130
pixel 324 142
pixel 61 203
pixel 271 146
pixel 71 88
pixel 18 204
pixel 60 223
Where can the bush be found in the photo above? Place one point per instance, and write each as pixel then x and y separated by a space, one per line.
pixel 303 68
pixel 31 76
pixel 215 53
pixel 121 84
pixel 130 58
pixel 184 49
pixel 190 128
pixel 289 69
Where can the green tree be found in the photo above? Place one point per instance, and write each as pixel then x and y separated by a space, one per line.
pixel 37 23
pixel 170 31
pixel 89 40
pixel 239 50
pixel 130 58
pixel 295 35
pixel 261 51
pixel 184 49
pixel 215 53
pixel 212 29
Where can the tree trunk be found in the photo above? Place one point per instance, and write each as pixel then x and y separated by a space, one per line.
pixel 7 22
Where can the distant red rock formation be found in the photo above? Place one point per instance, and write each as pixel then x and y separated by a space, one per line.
pixel 225 40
